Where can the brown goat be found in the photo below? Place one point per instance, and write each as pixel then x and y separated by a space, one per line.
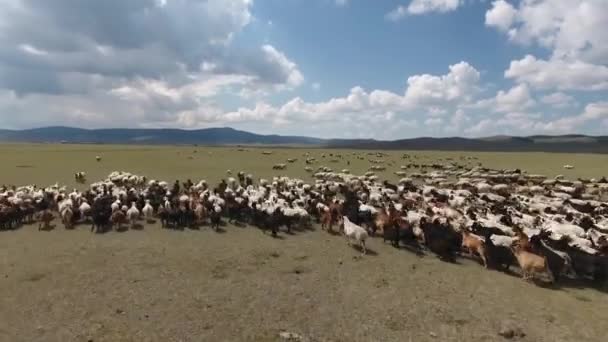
pixel 118 219
pixel 474 244
pixel 531 263
pixel 45 217
pixel 331 216
pixel 522 239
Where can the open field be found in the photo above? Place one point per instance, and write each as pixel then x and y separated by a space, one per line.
pixel 243 285
pixel 47 164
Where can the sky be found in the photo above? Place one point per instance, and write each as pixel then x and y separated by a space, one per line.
pixel 383 69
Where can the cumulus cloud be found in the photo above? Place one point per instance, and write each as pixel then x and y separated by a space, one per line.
pixel 130 39
pixel 558 100
pixel 535 123
pixel 567 27
pixel 396 14
pixel 501 15
pixel 167 59
pixel 596 111
pixel 417 7
pixel 569 30
pixel 459 83
pixel 515 99
pixel 558 74
pixel 425 6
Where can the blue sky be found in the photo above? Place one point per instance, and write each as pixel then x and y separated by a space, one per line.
pixel 331 68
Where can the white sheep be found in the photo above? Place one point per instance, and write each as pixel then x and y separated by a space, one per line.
pixel 133 214
pixel 353 231
pixel 115 206
pixel 148 211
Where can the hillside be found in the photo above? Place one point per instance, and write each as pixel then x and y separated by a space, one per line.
pixel 230 136
pixel 208 136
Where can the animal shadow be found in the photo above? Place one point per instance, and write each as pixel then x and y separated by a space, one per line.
pixel 369 251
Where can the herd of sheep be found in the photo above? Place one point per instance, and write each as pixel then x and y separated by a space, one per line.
pixel 550 228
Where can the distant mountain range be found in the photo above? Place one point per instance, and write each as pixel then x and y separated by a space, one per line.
pixel 230 136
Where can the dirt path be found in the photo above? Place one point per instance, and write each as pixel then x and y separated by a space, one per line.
pixel 159 285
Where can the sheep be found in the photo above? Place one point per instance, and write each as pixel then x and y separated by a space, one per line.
pixel 352 231
pixel 80 177
pixel 115 206
pixel 45 217
pixel 84 209
pixel 147 211
pixel 133 214
pixel 67 215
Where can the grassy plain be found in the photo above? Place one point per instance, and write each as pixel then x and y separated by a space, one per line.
pixel 46 164
pixel 165 285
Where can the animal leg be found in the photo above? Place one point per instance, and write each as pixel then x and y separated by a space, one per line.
pixel 483 258
pixel 363 248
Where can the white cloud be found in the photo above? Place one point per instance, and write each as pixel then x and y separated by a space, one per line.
pixel 597 111
pixel 569 28
pixel 398 13
pixel 426 6
pixel 515 99
pixel 532 123
pixel 288 69
pixel 501 15
pixel 122 40
pixel 433 122
pixel 32 50
pixel 481 128
pixel 559 74
pixel 558 100
pixel 417 7
pixel 459 84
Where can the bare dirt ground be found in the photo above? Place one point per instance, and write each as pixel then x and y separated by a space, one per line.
pixel 242 285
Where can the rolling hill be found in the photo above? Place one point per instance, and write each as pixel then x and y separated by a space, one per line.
pixel 229 136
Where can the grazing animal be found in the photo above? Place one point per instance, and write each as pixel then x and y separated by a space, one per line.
pixel 531 263
pixel 80 177
pixel 118 218
pixel 474 244
pixel 66 216
pixel 558 262
pixel 133 214
pixel 498 257
pixel 148 211
pixel 46 216
pixel 85 210
pixel 358 233
pixel 216 217
pixel 440 239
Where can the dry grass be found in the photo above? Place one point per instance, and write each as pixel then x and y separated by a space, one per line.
pixel 47 164
pixel 160 285
pixel 243 285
